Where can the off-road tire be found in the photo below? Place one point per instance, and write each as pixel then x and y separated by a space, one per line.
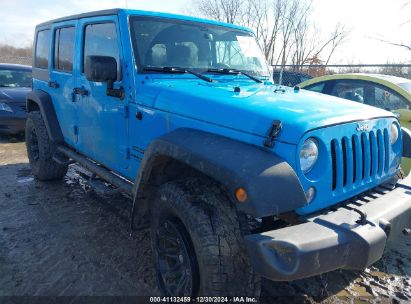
pixel 215 234
pixel 40 150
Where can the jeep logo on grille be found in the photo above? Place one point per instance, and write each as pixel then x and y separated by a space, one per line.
pixel 362 127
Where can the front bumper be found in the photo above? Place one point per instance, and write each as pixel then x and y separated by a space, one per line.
pixel 334 240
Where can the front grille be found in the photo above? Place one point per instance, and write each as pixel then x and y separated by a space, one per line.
pixel 359 159
pixel 361 199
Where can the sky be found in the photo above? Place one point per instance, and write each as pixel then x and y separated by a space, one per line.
pixel 367 21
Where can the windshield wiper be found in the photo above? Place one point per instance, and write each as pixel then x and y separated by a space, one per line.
pixel 234 72
pixel 177 70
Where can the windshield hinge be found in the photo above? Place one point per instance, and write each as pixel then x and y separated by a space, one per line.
pixel 275 128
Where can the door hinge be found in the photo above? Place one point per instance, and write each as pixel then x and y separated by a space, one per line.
pixel 126 111
pixel 53 84
pixel 75 130
pixel 128 153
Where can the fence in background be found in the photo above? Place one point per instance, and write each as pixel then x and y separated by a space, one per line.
pixel 15 60
pixel 291 74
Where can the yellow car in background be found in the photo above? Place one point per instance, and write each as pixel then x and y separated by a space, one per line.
pixel 382 91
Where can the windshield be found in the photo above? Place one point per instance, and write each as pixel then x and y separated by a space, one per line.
pixel 406 86
pixel 160 42
pixel 15 78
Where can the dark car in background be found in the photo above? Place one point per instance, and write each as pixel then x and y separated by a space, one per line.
pixel 289 79
pixel 15 83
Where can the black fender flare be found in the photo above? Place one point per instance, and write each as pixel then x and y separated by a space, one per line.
pixel 406 142
pixel 271 184
pixel 44 102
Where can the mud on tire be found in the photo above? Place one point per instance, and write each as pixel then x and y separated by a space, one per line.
pixel 196 213
pixel 40 151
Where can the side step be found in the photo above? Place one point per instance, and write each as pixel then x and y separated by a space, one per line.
pixel 100 171
pixel 100 187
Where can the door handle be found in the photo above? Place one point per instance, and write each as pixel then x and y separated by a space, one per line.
pixel 80 91
pixel 53 84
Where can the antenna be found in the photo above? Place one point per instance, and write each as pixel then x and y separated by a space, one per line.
pixel 126 3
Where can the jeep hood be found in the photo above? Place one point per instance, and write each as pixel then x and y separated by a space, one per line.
pixel 254 108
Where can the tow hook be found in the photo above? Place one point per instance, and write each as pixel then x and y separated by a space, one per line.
pixel 406 231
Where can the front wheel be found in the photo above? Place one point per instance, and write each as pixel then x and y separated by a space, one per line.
pixel 39 150
pixel 198 243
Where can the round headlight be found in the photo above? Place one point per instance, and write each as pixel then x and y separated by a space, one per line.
pixel 394 133
pixel 308 155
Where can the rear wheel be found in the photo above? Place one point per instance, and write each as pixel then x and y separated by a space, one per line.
pixel 198 243
pixel 40 151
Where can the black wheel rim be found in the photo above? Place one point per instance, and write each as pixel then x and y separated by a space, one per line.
pixel 177 267
pixel 34 145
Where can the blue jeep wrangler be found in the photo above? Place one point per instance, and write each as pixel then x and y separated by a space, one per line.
pixel 237 178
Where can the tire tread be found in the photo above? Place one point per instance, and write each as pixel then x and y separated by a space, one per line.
pixel 214 227
pixel 45 168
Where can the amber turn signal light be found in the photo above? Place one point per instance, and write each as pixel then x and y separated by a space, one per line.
pixel 241 195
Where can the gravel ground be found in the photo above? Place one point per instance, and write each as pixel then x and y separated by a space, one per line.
pixel 61 238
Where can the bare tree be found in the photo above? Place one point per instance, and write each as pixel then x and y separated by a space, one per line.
pixel 402 45
pixel 406 5
pixel 324 49
pixel 11 51
pixel 304 45
pixel 265 17
pixel 282 27
pixel 221 10
pixel 338 36
pixel 294 14
pixel 274 22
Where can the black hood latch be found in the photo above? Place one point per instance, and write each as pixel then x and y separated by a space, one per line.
pixel 275 128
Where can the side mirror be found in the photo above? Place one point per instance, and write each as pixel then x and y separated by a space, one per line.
pixel 101 69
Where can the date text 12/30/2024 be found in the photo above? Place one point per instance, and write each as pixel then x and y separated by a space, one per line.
pixel 203 300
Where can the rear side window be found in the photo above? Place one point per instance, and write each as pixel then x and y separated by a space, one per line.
pixel 42 49
pixel 101 40
pixel 63 49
